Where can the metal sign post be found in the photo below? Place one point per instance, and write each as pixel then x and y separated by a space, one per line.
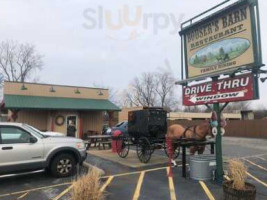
pixel 219 159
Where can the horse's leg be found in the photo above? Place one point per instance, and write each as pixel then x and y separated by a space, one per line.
pixel 174 147
pixel 201 149
pixel 192 150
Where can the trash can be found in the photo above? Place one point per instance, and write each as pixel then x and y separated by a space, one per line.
pixel 114 142
pixel 202 167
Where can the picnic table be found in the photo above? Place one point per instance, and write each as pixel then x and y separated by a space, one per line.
pixel 98 140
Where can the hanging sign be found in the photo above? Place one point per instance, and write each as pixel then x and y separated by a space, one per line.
pixel 221 42
pixel 239 88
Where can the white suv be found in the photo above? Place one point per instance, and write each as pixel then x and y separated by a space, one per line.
pixel 23 148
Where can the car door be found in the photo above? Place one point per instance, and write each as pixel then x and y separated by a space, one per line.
pixel 17 152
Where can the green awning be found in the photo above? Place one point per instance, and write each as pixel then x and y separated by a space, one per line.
pixel 56 103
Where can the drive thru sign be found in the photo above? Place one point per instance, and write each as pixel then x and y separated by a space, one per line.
pixel 239 88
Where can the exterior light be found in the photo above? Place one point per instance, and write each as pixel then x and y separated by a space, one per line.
pixel 263 79
pixel 23 87
pixel 100 93
pixel 77 91
pixel 52 89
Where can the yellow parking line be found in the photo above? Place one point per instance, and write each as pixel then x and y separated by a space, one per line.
pixel 63 193
pixel 106 183
pixel 207 191
pixel 171 186
pixel 22 196
pixel 138 172
pixel 256 179
pixel 260 158
pixel 138 186
pixel 227 178
pixel 34 189
pixel 68 183
pixel 255 164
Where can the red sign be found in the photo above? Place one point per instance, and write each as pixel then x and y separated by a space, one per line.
pixel 239 88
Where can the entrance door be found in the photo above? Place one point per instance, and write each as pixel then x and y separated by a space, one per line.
pixel 73 119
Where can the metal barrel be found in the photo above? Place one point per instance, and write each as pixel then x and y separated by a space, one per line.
pixel 202 167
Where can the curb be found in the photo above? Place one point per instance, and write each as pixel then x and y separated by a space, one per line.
pixel 88 165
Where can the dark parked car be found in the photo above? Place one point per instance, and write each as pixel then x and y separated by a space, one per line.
pixel 122 126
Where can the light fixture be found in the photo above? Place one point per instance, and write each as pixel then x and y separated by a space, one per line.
pixel 263 79
pixel 52 89
pixel 100 93
pixel 23 87
pixel 77 91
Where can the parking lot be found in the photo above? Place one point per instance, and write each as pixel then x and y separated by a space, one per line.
pixel 153 182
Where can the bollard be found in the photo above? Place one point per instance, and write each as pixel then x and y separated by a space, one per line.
pixel 116 136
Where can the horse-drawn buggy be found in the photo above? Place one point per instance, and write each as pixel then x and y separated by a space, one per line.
pixel 146 130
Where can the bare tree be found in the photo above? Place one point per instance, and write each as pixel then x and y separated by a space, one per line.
pixel 18 61
pixel 142 91
pixel 238 106
pixel 193 109
pixel 165 86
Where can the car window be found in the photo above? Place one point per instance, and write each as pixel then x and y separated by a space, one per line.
pixel 32 129
pixel 13 135
pixel 119 124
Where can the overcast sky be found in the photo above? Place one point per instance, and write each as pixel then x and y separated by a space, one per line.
pixel 84 42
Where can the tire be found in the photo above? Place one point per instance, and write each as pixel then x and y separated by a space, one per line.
pixel 63 165
pixel 143 150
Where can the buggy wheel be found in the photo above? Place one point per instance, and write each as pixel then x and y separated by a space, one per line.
pixel 143 150
pixel 152 149
pixel 123 146
pixel 176 151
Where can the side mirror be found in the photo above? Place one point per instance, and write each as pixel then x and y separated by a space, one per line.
pixel 33 140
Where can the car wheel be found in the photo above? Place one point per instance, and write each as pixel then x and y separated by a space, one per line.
pixel 63 165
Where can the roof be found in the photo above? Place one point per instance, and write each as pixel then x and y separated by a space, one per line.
pixel 47 84
pixel 57 103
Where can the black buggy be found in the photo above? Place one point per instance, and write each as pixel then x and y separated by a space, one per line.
pixel 146 130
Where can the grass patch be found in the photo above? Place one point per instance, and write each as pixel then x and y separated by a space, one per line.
pixel 87 187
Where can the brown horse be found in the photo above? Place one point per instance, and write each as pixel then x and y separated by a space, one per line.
pixel 198 132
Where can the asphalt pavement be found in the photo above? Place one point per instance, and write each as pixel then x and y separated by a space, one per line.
pixel 146 183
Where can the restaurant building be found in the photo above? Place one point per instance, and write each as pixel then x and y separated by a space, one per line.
pixel 52 107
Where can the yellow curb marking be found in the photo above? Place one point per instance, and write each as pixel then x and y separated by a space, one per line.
pixel 106 183
pixel 22 196
pixel 138 186
pixel 207 191
pixel 171 185
pixel 256 179
pixel 255 164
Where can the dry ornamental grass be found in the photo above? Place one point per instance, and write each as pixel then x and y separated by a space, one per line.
pixel 238 174
pixel 87 187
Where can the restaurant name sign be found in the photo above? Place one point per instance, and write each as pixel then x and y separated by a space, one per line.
pixel 220 43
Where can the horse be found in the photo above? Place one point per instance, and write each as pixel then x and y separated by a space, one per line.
pixel 198 132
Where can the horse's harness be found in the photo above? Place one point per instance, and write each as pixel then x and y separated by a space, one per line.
pixel 195 134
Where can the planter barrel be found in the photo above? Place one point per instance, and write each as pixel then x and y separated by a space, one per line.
pixel 233 194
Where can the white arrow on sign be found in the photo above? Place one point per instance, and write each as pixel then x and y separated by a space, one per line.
pixel 230 95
